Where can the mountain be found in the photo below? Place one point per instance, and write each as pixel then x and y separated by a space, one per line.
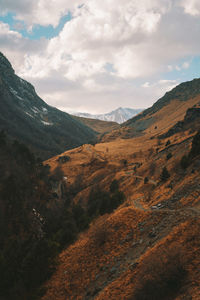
pixel 98 125
pixel 25 116
pixel 162 115
pixel 142 195
pixel 114 220
pixel 120 115
pixel 181 96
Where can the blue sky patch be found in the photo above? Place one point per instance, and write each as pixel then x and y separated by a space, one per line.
pixel 38 31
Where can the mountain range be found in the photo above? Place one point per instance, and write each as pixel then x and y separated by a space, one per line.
pixel 119 115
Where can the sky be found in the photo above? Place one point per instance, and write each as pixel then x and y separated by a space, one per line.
pixel 95 56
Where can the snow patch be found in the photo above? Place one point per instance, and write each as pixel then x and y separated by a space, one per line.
pixel 46 123
pixel 44 109
pixel 29 114
pixel 15 93
pixel 35 110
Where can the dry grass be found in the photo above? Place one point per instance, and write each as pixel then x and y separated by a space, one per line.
pixel 118 241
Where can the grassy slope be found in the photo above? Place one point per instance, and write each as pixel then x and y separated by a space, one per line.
pixel 98 125
pixel 162 115
pixel 134 234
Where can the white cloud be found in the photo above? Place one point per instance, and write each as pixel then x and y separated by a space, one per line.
pixel 100 33
pixel 108 53
pixel 186 65
pixel 191 7
pixel 40 12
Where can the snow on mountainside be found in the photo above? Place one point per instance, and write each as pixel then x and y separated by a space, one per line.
pixel 27 118
pixel 120 115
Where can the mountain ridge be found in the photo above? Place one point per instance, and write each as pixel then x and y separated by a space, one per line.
pixel 119 115
pixel 25 116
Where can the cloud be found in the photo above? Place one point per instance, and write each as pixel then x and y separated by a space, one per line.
pixel 109 52
pixel 15 46
pixel 101 33
pixel 191 7
pixel 40 12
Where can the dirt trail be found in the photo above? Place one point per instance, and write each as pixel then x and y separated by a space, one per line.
pixel 194 211
pixel 140 177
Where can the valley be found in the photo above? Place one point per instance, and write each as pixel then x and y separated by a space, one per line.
pixel 110 211
pixel 137 248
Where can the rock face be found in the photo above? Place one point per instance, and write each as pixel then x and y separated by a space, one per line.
pixel 25 116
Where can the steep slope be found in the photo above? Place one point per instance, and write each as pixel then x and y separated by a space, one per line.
pixel 164 114
pixel 98 125
pixel 177 97
pixel 24 115
pixel 147 248
pixel 118 115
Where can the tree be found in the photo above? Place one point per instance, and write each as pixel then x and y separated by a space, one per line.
pixel 165 174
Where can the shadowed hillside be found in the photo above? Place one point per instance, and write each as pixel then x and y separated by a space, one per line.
pixel 28 118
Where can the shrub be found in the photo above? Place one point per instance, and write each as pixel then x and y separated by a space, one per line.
pixel 124 162
pixel 169 155
pixel 152 168
pixel 165 174
pixel 146 180
pixel 168 143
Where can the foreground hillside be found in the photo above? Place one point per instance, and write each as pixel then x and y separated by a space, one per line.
pixel 26 117
pixel 143 195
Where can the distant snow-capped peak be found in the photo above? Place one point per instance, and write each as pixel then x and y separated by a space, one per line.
pixel 119 115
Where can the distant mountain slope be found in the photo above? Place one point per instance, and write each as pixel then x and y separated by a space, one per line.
pixel 24 115
pixel 162 115
pixel 120 115
pixel 98 125
pixel 182 92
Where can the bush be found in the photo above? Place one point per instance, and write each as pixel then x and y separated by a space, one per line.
pixel 165 174
pixel 124 162
pixel 146 180
pixel 169 155
pixel 152 168
pixel 168 143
